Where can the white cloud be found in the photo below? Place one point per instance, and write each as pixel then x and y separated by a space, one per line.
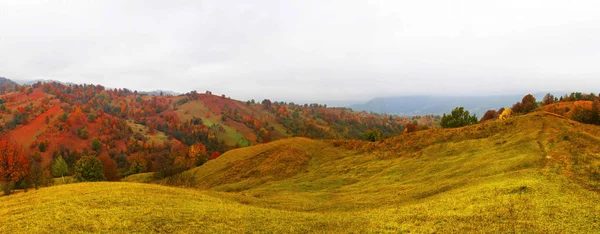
pixel 306 50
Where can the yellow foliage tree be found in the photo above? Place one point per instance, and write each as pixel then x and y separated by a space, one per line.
pixel 505 114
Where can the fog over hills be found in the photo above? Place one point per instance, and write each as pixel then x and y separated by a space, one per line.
pixel 438 105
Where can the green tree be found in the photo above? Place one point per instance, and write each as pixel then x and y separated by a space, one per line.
pixel 42 147
pixel 89 168
pixel 96 145
pixel 83 133
pixel 91 118
pixel 60 168
pixel 373 135
pixel 458 118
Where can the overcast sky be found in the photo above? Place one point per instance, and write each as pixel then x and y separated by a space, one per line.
pixel 307 50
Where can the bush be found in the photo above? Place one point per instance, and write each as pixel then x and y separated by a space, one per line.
pixel 89 168
pixel 411 127
pixel 584 115
pixel 7 187
pixel 373 135
pixel 458 118
pixel 181 180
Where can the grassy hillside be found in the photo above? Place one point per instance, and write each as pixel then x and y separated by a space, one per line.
pixel 535 168
pixel 143 208
pixel 534 173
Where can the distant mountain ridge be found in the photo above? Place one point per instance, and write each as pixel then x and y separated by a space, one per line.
pixel 7 85
pixel 438 105
pixel 4 80
pixel 160 93
pixel 43 81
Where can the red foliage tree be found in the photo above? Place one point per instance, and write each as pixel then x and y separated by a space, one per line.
pixel 14 166
pixel 411 127
pixel 110 168
pixel 489 115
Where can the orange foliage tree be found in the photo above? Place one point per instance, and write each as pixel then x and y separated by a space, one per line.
pixel 197 155
pixel 14 166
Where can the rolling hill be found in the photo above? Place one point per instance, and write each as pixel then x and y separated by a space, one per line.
pixel 304 172
pixel 538 172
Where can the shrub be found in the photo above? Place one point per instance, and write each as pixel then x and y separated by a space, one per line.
pixel 373 135
pixel 89 168
pixel 584 115
pixel 181 180
pixel 411 127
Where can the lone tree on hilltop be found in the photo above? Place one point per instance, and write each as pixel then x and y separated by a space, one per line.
pixel 89 168
pixel 60 168
pixel 458 118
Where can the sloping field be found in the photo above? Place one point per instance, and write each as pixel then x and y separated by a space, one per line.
pixel 535 173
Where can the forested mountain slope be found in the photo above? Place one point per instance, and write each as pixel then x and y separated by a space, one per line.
pixel 140 132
